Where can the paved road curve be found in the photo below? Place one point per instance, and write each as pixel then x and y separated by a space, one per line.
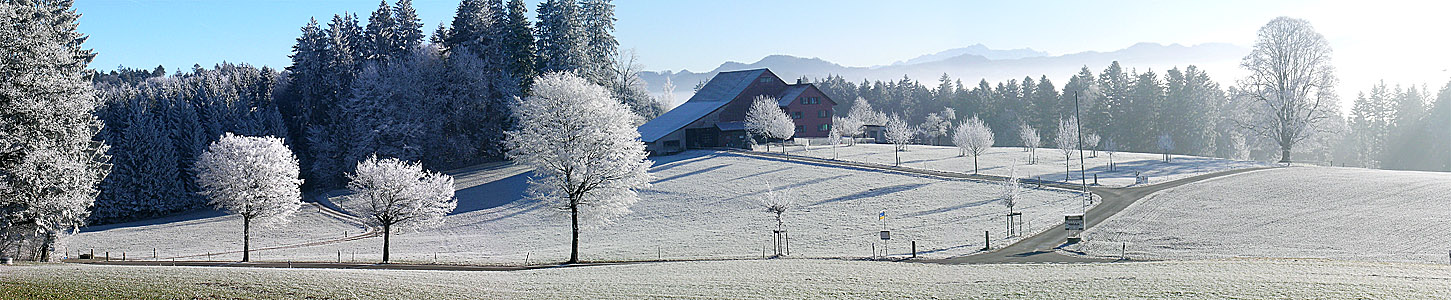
pixel 1040 248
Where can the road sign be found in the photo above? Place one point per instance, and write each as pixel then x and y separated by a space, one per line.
pixel 886 235
pixel 1073 222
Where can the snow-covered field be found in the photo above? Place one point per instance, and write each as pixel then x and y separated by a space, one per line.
pixel 755 279
pixel 702 205
pixel 1310 212
pixel 206 231
pixel 1050 166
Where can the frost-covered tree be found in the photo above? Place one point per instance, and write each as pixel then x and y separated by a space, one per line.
pixel 1031 141
pixel 252 177
pixel 834 138
pixel 624 80
pixel 408 29
pixel 1291 84
pixel 975 137
pixel 560 39
pixel 667 96
pixel 1066 140
pixel 1166 145
pixel 518 39
pixel 938 125
pixel 400 194
pixel 899 134
pixel 777 204
pixel 766 119
pixel 597 22
pixel 49 164
pixel 586 153
pixel 381 36
pixel 1011 191
pixel 1090 141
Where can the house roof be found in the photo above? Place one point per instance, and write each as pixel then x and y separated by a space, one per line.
pixel 792 91
pixel 716 93
pixel 731 126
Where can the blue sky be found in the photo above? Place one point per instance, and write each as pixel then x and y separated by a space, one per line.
pixel 1398 41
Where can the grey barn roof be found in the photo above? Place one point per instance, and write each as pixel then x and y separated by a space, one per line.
pixel 716 93
pixel 792 91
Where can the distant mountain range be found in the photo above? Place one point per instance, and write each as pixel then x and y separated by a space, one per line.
pixel 977 62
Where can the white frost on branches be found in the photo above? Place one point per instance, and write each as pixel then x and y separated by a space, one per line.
pixel 973 137
pixel 587 156
pixel 1166 145
pixel 765 118
pixel 899 134
pixel 1031 141
pixel 1291 85
pixel 253 177
pixel 401 194
pixel 1067 141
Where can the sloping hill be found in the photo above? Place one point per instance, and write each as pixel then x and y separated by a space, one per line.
pixel 1305 212
pixel 702 205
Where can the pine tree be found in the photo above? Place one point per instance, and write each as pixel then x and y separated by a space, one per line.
pixel 49 164
pixel 519 45
pixel 559 38
pixel 597 18
pixel 408 28
pixel 382 40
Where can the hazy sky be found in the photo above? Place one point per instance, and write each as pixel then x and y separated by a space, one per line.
pixel 1397 41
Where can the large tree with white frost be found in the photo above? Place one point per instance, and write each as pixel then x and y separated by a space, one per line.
pixel 899 134
pixel 1031 141
pixel 252 177
pixel 974 137
pixel 586 153
pixel 401 194
pixel 1291 85
pixel 49 165
pixel 765 118
pixel 1067 140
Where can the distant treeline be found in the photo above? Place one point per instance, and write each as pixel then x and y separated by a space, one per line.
pixel 1399 128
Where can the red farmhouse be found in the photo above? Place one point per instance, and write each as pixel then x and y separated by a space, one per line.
pixel 714 116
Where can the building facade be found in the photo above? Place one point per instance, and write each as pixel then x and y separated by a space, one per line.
pixel 715 115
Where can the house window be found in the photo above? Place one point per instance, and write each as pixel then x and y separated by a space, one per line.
pixel 797 115
pixel 824 128
pixel 805 100
pixel 815 100
pixel 800 128
pixel 765 79
pixel 822 113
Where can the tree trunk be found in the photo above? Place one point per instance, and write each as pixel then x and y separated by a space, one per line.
pixel 46 244
pixel 1285 155
pixel 974 163
pixel 574 242
pixel 1067 167
pixel 896 156
pixel 246 239
pixel 387 232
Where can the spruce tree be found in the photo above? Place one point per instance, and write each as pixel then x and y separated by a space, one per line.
pixel 519 45
pixel 382 40
pixel 597 19
pixel 559 38
pixel 49 164
pixel 408 28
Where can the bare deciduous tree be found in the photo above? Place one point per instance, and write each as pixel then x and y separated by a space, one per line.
pixel 1291 83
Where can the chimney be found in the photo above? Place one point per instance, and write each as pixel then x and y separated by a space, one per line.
pixel 799 81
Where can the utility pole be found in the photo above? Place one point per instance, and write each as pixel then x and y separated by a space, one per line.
pixel 1081 172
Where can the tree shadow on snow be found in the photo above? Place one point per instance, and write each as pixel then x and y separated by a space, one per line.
pixel 882 191
pixel 492 194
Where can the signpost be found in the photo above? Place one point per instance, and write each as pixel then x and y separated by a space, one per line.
pixel 1073 223
pixel 886 234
